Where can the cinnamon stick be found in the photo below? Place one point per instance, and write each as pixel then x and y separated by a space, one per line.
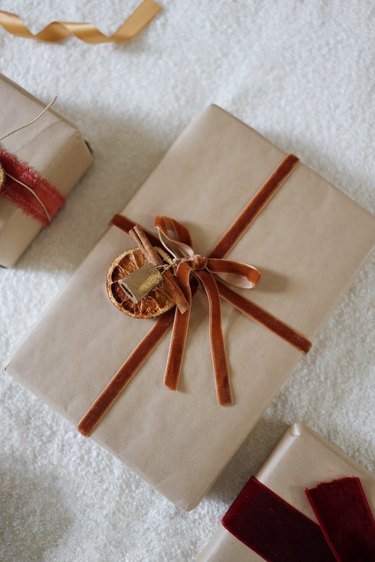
pixel 170 282
pixel 175 291
pixel 152 254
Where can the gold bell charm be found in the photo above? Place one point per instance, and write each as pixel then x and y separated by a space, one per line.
pixel 140 282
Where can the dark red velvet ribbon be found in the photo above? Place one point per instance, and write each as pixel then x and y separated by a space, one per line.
pixel 41 201
pixel 278 532
pixel 345 517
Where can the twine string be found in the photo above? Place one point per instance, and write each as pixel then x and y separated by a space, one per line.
pixel 34 120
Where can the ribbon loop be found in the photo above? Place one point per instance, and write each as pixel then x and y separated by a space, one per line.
pixel 175 238
pixel 235 273
pixel 173 230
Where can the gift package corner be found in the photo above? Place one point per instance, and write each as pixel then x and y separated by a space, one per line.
pixel 279 497
pixel 41 160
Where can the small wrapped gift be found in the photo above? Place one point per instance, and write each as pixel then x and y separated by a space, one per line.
pixel 249 209
pixel 39 165
pixel 309 502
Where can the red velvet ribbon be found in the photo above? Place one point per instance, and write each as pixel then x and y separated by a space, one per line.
pixel 37 198
pixel 205 270
pixel 278 532
pixel 345 517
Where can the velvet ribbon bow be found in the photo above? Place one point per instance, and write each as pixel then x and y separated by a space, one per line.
pixel 177 240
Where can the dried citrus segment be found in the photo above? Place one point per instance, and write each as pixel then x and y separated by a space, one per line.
pixel 154 304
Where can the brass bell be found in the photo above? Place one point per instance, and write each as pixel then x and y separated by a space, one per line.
pixel 140 282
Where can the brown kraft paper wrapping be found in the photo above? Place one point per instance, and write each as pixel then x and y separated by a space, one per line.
pixel 302 459
pixel 308 243
pixel 52 146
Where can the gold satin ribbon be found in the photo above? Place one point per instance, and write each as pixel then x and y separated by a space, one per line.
pixel 57 31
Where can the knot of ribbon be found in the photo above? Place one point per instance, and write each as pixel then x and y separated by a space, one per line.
pixel 198 262
pixel 177 240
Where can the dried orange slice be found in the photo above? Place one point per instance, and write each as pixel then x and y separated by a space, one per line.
pixel 157 302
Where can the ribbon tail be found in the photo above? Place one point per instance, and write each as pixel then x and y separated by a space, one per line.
pixel 218 353
pixel 345 517
pixel 265 318
pixel 123 376
pixel 179 331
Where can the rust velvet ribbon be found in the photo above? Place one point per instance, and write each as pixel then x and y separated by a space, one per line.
pixel 208 272
pixel 215 290
pixel 57 31
pixel 278 532
pixel 26 189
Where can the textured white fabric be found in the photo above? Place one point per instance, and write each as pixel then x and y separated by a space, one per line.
pixel 302 73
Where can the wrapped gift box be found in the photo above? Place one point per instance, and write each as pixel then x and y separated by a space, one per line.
pixel 308 243
pixel 301 460
pixel 52 146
